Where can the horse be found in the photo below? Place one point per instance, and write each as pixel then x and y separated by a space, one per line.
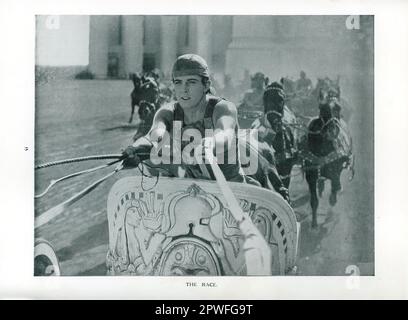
pixel 284 144
pixel 277 132
pixel 333 92
pixel 145 88
pixel 326 151
pixel 147 97
pixel 135 94
pixel 146 113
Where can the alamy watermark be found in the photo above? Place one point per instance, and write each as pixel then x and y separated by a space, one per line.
pixel 53 22
pixel 353 22
pixel 353 279
pixel 189 146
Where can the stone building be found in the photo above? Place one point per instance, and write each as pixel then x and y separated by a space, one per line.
pixel 119 45
pixel 276 45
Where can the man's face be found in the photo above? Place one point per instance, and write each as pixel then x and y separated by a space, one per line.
pixel 189 90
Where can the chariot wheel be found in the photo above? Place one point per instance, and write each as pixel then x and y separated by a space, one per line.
pixel 45 260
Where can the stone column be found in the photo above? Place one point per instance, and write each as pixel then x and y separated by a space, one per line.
pixel 168 50
pixel 132 41
pixel 203 38
pixel 254 47
pixel 98 45
pixel 284 45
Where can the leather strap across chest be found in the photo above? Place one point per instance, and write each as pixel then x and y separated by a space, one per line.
pixel 206 123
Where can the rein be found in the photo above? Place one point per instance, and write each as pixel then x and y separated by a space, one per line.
pixel 317 132
pixel 54 182
pixel 326 160
pixel 80 159
pixel 118 157
pixel 58 209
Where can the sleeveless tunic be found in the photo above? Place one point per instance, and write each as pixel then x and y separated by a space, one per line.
pixel 231 171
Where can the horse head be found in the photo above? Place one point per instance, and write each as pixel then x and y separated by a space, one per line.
pixel 274 101
pixel 275 120
pixel 330 128
pixel 336 110
pixel 149 90
pixel 274 98
pixel 146 110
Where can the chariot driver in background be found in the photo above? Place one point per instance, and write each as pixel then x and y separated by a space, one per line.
pixel 200 111
pixel 304 84
pixel 253 98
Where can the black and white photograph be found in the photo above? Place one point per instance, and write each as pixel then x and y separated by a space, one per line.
pixel 234 151
pixel 289 98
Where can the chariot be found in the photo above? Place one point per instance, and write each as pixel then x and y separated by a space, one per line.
pixel 183 226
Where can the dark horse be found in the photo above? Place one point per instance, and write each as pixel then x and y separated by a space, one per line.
pixel 280 135
pixel 145 88
pixel 326 151
pixel 145 95
pixel 135 94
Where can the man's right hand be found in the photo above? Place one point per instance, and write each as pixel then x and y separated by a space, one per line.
pixel 131 159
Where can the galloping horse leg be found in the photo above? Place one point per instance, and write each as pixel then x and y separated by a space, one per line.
pixel 335 187
pixel 311 178
pixel 320 186
pixel 132 113
pixel 284 170
pixel 335 172
pixel 333 198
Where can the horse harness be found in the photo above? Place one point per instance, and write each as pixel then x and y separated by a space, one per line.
pixel 288 148
pixel 341 145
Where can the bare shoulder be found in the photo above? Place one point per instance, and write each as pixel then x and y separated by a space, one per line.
pixel 164 115
pixel 165 112
pixel 225 108
pixel 225 115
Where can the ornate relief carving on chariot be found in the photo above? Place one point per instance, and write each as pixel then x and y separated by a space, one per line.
pixel 184 227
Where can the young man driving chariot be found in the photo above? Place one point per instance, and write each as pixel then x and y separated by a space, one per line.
pixel 198 120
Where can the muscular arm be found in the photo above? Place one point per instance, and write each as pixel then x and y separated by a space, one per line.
pixel 161 125
pixel 161 122
pixel 225 121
